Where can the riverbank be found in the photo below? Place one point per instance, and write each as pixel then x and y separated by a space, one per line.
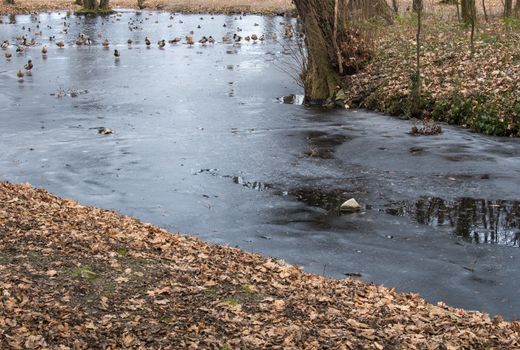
pixel 73 276
pixel 478 90
pixel 265 7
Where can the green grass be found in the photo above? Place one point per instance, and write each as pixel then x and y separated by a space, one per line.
pixel 84 272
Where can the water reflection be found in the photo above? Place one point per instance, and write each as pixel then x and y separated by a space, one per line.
pixel 475 220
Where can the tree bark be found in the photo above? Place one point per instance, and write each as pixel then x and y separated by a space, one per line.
pixel 417 5
pixel 468 11
pixel 395 5
pixel 508 8
pixel 368 9
pixel 416 81
pixel 90 4
pixel 332 49
pixel 318 17
pixel 104 4
pixel 10 2
pixel 485 10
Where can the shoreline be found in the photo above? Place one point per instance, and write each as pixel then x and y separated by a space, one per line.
pixel 217 7
pixel 74 275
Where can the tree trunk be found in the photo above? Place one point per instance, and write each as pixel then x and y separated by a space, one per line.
pixel 468 11
pixel 517 8
pixel 395 5
pixel 10 2
pixel 140 4
pixel 417 5
pixel 332 49
pixel 508 8
pixel 104 4
pixel 416 80
pixel 485 11
pixel 368 9
pixel 473 23
pixel 90 4
pixel 321 77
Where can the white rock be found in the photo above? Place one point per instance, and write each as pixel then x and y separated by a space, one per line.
pixel 350 206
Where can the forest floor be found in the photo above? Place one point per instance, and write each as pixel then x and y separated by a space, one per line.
pixel 267 7
pixel 479 90
pixel 73 276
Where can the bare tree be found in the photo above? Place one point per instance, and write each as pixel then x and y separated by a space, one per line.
pixel 485 11
pixel 473 23
pixel 334 49
pixel 416 77
pixel 508 8
pixel 468 10
pixel 417 5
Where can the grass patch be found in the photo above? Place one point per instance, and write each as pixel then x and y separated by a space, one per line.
pixel 84 272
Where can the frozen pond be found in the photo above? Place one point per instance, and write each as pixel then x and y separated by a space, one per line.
pixel 200 145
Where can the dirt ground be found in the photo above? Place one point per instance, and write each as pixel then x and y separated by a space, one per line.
pixel 73 276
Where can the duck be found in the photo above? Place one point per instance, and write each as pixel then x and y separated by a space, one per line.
pixel 247 38
pixel 60 43
pixel 261 38
pixel 5 44
pixel 88 42
pixel 203 41
pixel 237 38
pixel 20 74
pixel 20 49
pixel 106 43
pixel 189 40
pixel 28 66
pixel 129 41
pixel 147 41
pixel 116 54
pixel 161 43
pixel 174 40
pixel 211 40
pixel 79 41
pixel 254 37
pixel 8 55
pixel 44 50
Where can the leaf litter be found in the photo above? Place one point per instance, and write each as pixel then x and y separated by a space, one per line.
pixel 75 277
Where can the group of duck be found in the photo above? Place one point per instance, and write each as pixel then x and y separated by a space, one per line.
pixel 84 40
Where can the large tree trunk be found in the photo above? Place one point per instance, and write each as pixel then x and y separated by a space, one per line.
pixel 90 4
pixel 104 4
pixel 332 49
